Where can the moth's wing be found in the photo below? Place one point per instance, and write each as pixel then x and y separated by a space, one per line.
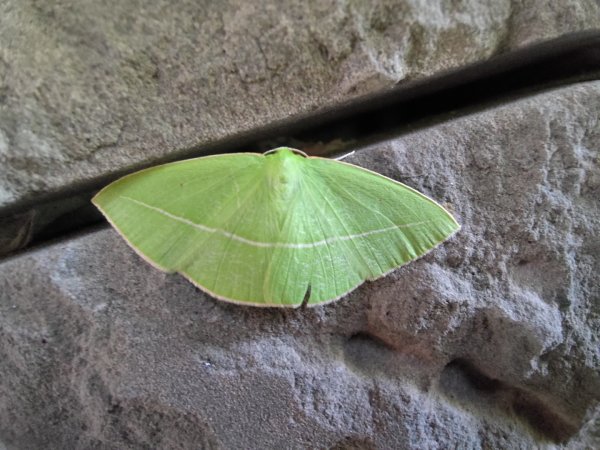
pixel 238 264
pixel 363 225
pixel 216 221
pixel 204 218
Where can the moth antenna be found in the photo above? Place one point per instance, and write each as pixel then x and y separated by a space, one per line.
pixel 339 158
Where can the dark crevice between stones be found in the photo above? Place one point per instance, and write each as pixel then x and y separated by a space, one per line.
pixel 463 383
pixel 304 303
pixel 377 117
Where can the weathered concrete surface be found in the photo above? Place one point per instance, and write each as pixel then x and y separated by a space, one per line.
pixel 88 88
pixel 491 341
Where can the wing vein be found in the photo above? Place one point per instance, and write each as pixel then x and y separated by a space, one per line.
pixel 343 224
pixel 317 218
pixel 251 242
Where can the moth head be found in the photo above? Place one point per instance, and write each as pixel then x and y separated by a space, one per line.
pixel 283 170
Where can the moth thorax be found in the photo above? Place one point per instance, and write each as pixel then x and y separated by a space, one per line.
pixel 283 177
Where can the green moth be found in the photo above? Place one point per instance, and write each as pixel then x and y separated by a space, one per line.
pixel 275 229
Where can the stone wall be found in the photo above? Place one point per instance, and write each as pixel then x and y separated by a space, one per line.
pixel 490 341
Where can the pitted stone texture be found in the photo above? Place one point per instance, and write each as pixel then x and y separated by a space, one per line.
pixel 490 341
pixel 88 88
